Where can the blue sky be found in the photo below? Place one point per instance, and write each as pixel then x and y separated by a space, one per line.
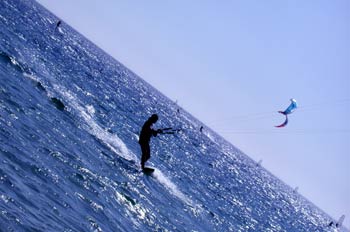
pixel 233 65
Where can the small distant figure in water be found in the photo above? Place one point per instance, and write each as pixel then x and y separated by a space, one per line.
pixel 201 129
pixel 296 189
pixel 145 137
pixel 258 164
pixel 337 224
pixel 58 24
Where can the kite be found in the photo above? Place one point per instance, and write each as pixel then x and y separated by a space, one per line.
pixel 289 110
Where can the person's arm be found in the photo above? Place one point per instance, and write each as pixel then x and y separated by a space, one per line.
pixel 156 132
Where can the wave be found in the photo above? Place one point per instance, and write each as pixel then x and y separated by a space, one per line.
pixel 171 186
pixel 6 58
pixel 112 141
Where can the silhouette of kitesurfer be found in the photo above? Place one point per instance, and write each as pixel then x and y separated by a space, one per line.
pixel 145 137
pixel 58 24
pixel 201 129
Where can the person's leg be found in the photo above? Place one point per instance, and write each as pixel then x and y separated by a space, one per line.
pixel 148 152
pixel 145 149
pixel 143 156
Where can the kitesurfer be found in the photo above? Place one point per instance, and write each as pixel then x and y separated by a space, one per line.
pixel 145 137
pixel 58 24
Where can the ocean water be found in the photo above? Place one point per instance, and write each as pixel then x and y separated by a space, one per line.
pixel 70 116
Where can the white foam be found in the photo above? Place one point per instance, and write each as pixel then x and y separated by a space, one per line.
pixel 112 141
pixel 31 76
pixel 171 187
pixel 91 110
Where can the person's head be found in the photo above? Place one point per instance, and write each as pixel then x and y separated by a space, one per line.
pixel 153 118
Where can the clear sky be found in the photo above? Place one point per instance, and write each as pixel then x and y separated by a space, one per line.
pixel 233 65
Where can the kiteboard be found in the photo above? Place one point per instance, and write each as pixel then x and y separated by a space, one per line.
pixel 148 170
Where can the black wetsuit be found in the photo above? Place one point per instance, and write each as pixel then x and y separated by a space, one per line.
pixel 145 137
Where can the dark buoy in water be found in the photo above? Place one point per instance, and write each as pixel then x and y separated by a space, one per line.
pixel 5 57
pixel 57 102
pixel 40 87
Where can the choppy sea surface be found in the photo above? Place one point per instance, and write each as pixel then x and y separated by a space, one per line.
pixel 70 117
